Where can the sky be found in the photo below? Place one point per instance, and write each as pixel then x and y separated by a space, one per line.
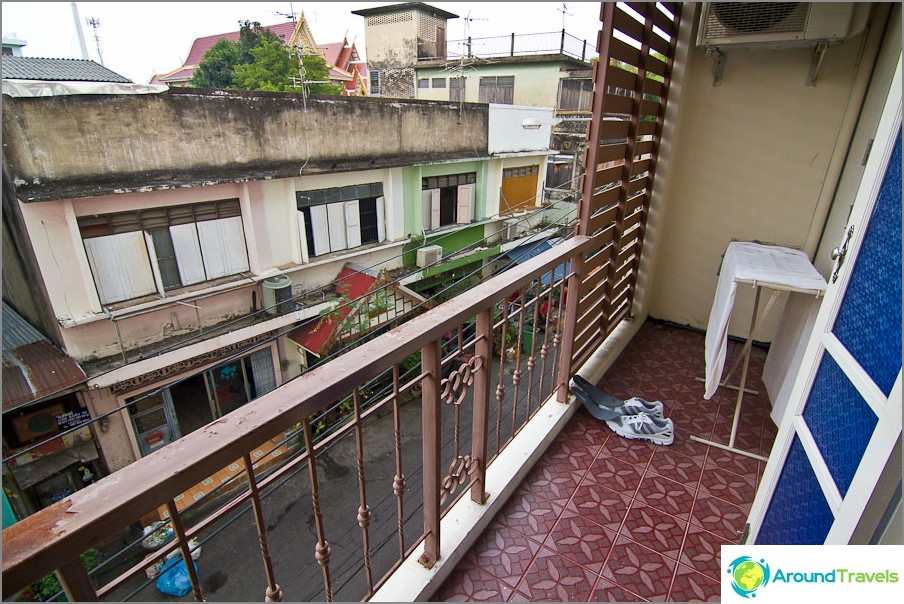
pixel 139 39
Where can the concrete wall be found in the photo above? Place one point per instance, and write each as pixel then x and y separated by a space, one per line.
pixel 751 160
pixel 82 145
pixel 536 83
pixel 508 135
pixel 391 39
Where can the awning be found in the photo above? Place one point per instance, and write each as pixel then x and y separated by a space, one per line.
pixel 523 253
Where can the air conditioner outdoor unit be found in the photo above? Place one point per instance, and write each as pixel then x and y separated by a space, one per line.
pixel 428 255
pixel 513 228
pixel 780 24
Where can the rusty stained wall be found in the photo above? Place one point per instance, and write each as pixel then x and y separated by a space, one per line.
pixel 80 146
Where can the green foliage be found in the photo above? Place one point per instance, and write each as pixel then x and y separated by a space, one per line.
pixel 271 69
pixel 259 61
pixel 316 70
pixel 49 586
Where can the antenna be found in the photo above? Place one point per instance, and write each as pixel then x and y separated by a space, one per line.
pixel 95 23
pixel 564 11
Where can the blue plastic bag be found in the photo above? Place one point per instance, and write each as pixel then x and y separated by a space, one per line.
pixel 173 579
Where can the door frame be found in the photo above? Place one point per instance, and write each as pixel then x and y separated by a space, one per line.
pixel 847 510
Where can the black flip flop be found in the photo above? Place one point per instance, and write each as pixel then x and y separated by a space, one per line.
pixel 601 413
pixel 596 395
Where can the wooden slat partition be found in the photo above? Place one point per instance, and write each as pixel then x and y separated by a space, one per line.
pixel 616 217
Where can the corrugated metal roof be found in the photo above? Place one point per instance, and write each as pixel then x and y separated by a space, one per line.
pixel 16 330
pixel 32 366
pixel 60 70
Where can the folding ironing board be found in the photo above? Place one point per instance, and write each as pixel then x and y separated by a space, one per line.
pixel 762 266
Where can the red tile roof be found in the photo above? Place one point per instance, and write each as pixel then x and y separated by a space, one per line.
pixel 314 335
pixel 201 45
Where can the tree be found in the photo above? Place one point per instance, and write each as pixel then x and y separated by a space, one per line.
pixel 271 69
pixel 259 61
pixel 217 68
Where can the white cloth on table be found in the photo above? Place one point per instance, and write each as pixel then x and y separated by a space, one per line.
pixel 772 266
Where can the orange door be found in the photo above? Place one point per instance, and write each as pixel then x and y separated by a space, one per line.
pixel 519 189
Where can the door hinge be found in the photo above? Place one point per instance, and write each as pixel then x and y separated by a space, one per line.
pixel 840 252
pixel 869 147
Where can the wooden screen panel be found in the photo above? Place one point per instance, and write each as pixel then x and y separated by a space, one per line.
pixel 626 79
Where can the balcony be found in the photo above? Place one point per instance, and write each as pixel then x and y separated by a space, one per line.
pixel 516 45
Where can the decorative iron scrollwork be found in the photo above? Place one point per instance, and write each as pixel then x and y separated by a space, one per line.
pixel 461 468
pixel 455 387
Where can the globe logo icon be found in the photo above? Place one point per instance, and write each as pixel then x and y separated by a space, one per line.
pixel 748 575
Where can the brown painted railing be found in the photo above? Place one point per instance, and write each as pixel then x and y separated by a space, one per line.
pixel 396 461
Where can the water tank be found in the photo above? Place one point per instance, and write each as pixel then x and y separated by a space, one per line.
pixel 277 294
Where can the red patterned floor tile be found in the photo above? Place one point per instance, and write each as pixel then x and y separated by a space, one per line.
pixel 701 552
pixel 684 445
pixel 615 474
pixel 729 487
pixel 580 540
pixel 554 482
pixel 568 455
pixel 680 468
pixel 472 584
pixel 600 505
pixel 585 430
pixel 731 462
pixel 504 553
pixel 719 517
pixel 637 452
pixel 639 570
pixel 654 529
pixel 691 586
pixel 551 577
pixel 606 591
pixel 666 495
pixel 529 514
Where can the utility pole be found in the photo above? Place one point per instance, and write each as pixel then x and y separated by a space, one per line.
pixel 79 32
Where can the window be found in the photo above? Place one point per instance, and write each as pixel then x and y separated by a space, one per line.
pixel 155 250
pixel 439 82
pixel 447 200
pixel 497 89
pixel 341 217
pixel 575 95
pixel 423 83
pixel 456 89
pixel 374 82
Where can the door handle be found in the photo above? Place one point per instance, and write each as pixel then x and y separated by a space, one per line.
pixel 840 252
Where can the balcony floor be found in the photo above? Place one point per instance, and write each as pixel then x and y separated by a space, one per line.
pixel 602 518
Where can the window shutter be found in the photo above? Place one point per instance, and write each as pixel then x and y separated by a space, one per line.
pixel 353 223
pixel 434 209
pixel 381 221
pixel 223 247
pixel 465 209
pixel 303 237
pixel 321 227
pixel 188 253
pixel 336 214
pixel 120 266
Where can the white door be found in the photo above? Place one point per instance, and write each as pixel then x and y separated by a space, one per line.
pixel 844 415
pixel 465 209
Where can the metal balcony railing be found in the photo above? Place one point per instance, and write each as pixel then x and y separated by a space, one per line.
pixel 517 45
pixel 488 361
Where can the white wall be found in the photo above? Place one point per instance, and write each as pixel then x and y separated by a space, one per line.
pixel 507 135
pixel 750 160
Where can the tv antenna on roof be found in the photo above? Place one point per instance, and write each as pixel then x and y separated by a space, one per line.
pixel 564 11
pixel 95 23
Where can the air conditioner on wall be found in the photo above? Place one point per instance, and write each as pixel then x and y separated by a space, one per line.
pixel 513 228
pixel 779 24
pixel 428 255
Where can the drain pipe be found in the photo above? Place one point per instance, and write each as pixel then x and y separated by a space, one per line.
pixel 122 348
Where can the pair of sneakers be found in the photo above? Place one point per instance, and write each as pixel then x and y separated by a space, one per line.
pixel 634 418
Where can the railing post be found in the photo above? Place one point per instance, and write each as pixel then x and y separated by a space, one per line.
pixel 562 43
pixel 584 52
pixel 430 417
pixel 573 296
pixel 512 53
pixel 483 349
pixel 469 47
pixel 76 582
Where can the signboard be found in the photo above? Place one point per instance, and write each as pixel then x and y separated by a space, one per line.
pixel 71 419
